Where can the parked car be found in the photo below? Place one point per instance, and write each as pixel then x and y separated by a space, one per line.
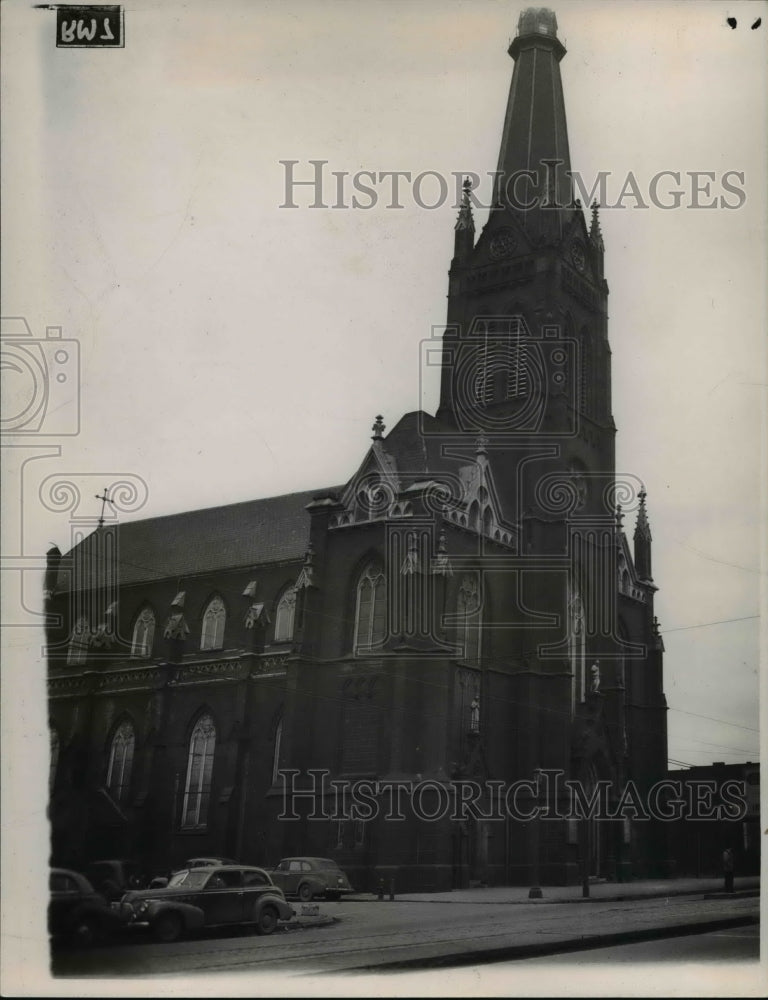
pixel 310 877
pixel 160 881
pixel 114 877
pixel 206 862
pixel 77 914
pixel 198 898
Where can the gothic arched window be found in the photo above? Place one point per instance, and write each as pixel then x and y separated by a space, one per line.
pixel 484 376
pixel 197 787
pixel 143 634
pixel 487 521
pixel 214 619
pixel 120 761
pixel 468 624
pixel 285 615
pixel 78 643
pixel 371 608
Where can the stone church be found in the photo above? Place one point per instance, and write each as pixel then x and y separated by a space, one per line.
pixel 465 612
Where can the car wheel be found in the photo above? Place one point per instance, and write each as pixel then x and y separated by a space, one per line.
pixel 305 892
pixel 266 922
pixel 168 927
pixel 85 932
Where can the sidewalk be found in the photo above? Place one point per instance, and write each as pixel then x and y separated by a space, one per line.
pixel 598 891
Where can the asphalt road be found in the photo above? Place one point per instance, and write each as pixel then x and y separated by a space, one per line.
pixel 384 936
pixel 736 944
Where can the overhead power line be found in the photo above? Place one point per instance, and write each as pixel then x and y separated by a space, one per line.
pixel 723 621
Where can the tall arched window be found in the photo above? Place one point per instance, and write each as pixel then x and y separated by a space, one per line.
pixel 468 625
pixel 78 643
pixel 484 373
pixel 276 752
pixel 371 608
pixel 474 516
pixel 197 787
pixel 121 761
pixel 54 759
pixel 284 616
pixel 214 619
pixel 143 634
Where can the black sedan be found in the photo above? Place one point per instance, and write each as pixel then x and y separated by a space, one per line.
pixel 310 877
pixel 203 898
pixel 77 914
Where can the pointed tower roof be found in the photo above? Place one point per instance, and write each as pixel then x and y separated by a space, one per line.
pixel 534 159
pixel 642 541
pixel 642 527
pixel 595 233
pixel 465 220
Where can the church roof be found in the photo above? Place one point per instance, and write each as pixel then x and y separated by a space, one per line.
pixel 273 529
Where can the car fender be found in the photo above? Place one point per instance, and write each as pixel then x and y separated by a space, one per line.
pixel 193 916
pixel 284 910
pixel 100 917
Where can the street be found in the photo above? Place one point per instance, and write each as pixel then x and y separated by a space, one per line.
pixel 737 944
pixel 368 936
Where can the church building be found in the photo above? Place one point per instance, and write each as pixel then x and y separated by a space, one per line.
pixel 466 618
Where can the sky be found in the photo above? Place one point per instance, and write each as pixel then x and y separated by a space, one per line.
pixel 231 348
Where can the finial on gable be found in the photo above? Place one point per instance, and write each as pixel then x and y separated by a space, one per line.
pixel 595 233
pixel 465 220
pixel 378 429
pixel 642 527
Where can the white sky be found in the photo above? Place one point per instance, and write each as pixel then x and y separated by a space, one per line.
pixel 233 349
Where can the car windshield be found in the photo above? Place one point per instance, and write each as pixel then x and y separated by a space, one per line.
pixel 189 879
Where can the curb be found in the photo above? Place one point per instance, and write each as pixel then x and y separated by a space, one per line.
pixel 563 946
pixel 305 923
pixel 617 898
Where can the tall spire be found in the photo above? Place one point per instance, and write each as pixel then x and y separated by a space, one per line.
pixel 642 540
pixel 595 233
pixel 464 240
pixel 596 238
pixel 534 159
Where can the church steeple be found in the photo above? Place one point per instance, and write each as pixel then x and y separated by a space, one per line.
pixel 534 159
pixel 642 540
pixel 535 273
pixel 464 240
pixel 596 238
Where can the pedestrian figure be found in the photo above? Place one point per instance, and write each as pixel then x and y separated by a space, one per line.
pixel 728 869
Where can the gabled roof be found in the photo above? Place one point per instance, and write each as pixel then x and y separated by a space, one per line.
pixel 273 529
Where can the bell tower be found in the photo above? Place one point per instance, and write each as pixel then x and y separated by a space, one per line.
pixel 525 353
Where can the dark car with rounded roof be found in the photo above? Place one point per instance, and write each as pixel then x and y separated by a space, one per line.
pixel 77 914
pixel 310 877
pixel 197 899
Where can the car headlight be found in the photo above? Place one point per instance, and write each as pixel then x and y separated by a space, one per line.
pixel 142 908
